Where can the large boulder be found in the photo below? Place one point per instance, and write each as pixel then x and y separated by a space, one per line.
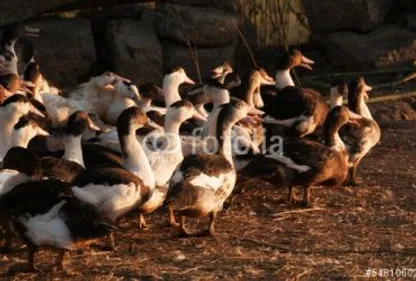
pixel 135 51
pixel 326 16
pixel 65 50
pixel 19 10
pixel 384 47
pixel 226 5
pixel 208 58
pixel 201 26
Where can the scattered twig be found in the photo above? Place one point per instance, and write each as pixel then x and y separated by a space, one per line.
pixel 392 97
pixel 403 80
pixel 360 73
pixel 298 211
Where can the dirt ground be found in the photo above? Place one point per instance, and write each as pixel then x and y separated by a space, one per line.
pixel 262 237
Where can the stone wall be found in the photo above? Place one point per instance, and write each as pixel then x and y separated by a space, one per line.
pixel 364 34
pixel 137 40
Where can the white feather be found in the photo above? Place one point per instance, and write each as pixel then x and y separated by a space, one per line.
pixel 48 229
pixel 112 201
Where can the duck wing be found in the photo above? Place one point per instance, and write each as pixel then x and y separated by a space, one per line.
pixel 308 153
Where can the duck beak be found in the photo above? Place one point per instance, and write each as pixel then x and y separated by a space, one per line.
pixel 199 116
pixel 368 88
pixel 160 95
pixel 216 72
pixel 121 78
pixel 268 81
pixel 153 125
pixel 255 111
pixel 36 111
pixel 306 63
pixel 189 81
pixel 92 125
pixel 42 132
pixel 31 32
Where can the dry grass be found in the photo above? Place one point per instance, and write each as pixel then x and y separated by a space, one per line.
pixel 263 238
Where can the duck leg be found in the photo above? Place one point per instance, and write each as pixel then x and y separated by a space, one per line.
pixel 184 233
pixel 292 197
pixel 211 229
pixel 31 260
pixel 353 175
pixel 109 243
pixel 306 196
pixel 142 223
pixel 7 248
pixel 60 263
pixel 172 219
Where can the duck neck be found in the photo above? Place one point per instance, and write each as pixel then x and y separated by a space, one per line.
pixel 135 159
pixel 363 109
pixel 8 119
pixel 335 98
pixel 171 91
pixel 332 138
pixel 221 97
pixel 73 149
pixel 284 79
pixel 172 136
pixel 21 138
pixel 225 147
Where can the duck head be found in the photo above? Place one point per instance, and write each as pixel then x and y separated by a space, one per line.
pixel 126 89
pixel 150 92
pixel 26 129
pixel 292 59
pixel 31 166
pixel 132 119
pixel 221 71
pixel 78 123
pixel 338 90
pixel 181 111
pixel 178 76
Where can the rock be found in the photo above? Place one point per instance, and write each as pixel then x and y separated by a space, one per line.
pixel 177 54
pixel 65 50
pixel 201 26
pixel 16 11
pixel 226 5
pixel 386 46
pixel 135 50
pixel 327 16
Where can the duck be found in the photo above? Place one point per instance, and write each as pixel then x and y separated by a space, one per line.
pixel 45 213
pixel 220 95
pixel 11 110
pixel 324 164
pixel 301 110
pixel 72 162
pixel 115 191
pixel 362 137
pixel 60 107
pixel 202 182
pixel 164 160
pixel 8 56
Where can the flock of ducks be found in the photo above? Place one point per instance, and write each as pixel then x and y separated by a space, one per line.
pixel 73 163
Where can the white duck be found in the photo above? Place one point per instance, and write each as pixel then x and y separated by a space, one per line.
pixel 164 160
pixel 11 110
